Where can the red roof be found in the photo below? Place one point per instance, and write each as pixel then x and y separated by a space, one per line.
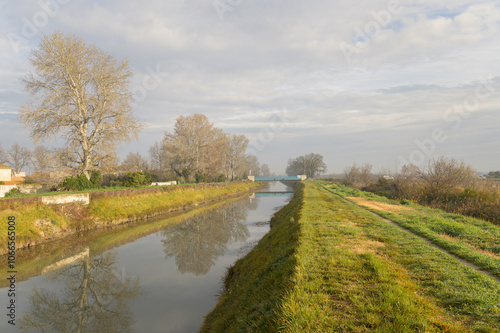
pixel 3 166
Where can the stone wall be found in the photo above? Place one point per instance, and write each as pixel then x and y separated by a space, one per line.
pixel 67 198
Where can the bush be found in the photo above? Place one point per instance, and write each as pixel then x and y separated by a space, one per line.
pixel 76 184
pixel 96 179
pixel 200 178
pixel 137 179
pixel 13 192
pixel 115 183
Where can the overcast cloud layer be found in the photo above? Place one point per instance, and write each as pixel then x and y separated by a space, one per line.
pixel 384 82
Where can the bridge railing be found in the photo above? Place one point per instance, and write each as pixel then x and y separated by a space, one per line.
pixel 278 178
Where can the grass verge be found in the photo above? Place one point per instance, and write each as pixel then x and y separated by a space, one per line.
pixel 471 239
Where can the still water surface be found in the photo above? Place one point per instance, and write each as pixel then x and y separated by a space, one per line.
pixel 161 276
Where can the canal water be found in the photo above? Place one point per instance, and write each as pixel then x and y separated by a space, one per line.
pixel 158 276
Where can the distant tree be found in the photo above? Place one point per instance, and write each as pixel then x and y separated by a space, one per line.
pixel 310 165
pixel 136 162
pixel 360 175
pixel 235 158
pixel 42 159
pixel 3 155
pixel 264 170
pixel 79 92
pixel 444 173
pixel 494 174
pixel 366 174
pixel 194 146
pixel 351 174
pixel 18 158
pixel 252 165
pixel 157 156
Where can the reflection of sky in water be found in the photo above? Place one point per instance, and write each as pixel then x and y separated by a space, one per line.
pixel 173 301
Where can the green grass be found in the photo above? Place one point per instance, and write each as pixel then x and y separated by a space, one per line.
pixel 343 269
pixel 108 209
pixel 471 239
pixel 103 189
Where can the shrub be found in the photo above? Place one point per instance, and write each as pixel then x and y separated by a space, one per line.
pixel 115 183
pixel 137 178
pixel 76 184
pixel 200 178
pixel 96 179
pixel 13 192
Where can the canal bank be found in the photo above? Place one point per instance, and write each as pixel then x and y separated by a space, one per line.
pixel 37 223
pixel 328 265
pixel 254 288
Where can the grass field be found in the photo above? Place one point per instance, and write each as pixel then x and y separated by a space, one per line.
pixel 331 266
pixel 471 239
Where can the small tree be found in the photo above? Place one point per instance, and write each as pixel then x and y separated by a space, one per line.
pixel 18 157
pixel 443 174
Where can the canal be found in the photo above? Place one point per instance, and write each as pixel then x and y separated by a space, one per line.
pixel 156 276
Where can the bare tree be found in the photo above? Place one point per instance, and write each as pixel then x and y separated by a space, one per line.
pixel 80 92
pixel 443 173
pixel 157 156
pixel 351 174
pixel 311 165
pixel 252 165
pixel 42 159
pixel 194 146
pixel 136 161
pixel 264 170
pixel 18 157
pixel 365 174
pixel 236 147
pixel 3 155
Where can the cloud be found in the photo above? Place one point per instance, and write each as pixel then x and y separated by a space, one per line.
pixel 266 57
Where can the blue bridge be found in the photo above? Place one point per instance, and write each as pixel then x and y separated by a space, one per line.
pixel 278 178
pixel 272 194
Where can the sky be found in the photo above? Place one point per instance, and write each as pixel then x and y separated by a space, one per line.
pixel 387 82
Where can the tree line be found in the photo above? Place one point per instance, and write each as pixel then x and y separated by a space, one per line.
pixel 81 93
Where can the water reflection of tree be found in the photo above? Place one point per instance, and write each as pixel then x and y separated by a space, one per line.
pixel 93 298
pixel 253 203
pixel 198 242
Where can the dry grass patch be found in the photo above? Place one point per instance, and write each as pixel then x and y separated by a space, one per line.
pixel 378 205
pixel 367 246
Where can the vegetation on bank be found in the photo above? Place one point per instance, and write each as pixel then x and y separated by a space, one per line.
pixel 108 209
pixel 36 221
pixel 336 267
pixel 444 183
pixel 471 239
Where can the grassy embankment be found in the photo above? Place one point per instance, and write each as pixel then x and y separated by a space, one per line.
pixel 36 222
pixel 471 239
pixel 336 267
